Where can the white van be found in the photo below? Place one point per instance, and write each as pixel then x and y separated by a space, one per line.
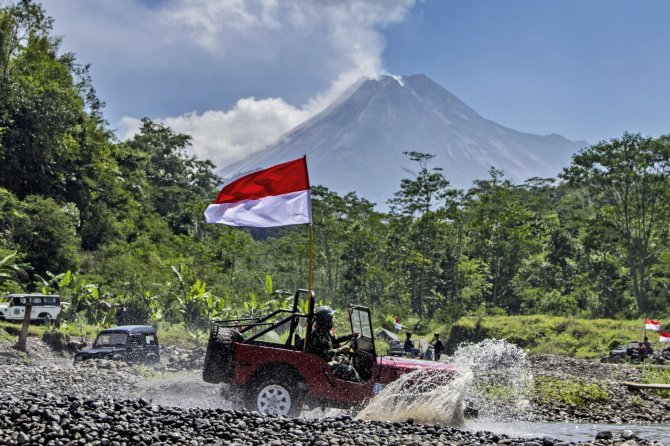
pixel 45 308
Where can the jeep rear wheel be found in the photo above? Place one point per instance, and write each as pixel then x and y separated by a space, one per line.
pixel 274 396
pixel 218 357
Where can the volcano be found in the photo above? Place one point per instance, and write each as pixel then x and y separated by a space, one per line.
pixel 357 143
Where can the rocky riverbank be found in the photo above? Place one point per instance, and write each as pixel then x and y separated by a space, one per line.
pixel 612 403
pixel 48 400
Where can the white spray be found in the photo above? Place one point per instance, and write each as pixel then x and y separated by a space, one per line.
pixel 491 377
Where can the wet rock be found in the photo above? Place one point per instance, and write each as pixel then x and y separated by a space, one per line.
pixel 604 435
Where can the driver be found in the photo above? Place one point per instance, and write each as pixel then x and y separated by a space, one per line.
pixel 323 343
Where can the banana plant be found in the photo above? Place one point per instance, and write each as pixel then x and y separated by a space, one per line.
pixel 10 271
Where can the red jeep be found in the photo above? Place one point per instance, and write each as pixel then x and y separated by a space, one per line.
pixel 273 376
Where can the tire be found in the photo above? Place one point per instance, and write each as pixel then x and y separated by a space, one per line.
pixel 218 357
pixel 274 396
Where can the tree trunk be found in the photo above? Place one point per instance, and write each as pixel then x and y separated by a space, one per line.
pixel 22 344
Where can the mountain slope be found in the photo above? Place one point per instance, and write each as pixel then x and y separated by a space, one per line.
pixel 356 144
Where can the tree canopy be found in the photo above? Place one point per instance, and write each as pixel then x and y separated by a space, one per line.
pixel 104 221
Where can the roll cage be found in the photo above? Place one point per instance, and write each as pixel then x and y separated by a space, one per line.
pixel 253 329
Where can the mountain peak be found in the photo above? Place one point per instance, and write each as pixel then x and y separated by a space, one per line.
pixel 357 143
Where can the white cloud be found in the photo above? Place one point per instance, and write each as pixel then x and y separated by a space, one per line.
pixel 165 59
pixel 349 30
pixel 227 136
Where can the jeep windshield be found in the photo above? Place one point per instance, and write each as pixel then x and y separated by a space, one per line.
pixel 111 339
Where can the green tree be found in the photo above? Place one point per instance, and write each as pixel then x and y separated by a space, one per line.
pixel 179 183
pixel 419 195
pixel 418 238
pixel 46 233
pixel 501 232
pixel 629 177
pixel 40 105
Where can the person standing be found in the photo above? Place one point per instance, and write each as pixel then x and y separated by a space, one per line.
pixel 438 346
pixel 396 324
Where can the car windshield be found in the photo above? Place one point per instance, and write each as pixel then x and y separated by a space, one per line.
pixel 110 339
pixel 5 299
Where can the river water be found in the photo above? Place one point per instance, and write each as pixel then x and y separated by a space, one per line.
pixel 570 431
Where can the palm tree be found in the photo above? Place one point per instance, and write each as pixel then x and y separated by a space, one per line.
pixel 10 271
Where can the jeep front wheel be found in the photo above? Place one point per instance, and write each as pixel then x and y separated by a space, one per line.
pixel 275 397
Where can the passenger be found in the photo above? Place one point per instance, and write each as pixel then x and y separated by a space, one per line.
pixel 409 348
pixel 409 345
pixel 323 343
pixel 647 346
pixel 641 351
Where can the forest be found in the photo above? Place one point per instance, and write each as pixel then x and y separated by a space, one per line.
pixel 105 222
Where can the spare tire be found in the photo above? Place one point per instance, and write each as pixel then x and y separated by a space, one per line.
pixel 219 354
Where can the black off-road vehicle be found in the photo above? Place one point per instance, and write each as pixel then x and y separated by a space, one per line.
pixel 134 343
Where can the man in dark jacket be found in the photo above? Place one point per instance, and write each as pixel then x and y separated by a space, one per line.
pixel 323 343
pixel 438 346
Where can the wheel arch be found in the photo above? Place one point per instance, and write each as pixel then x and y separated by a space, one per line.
pixel 280 370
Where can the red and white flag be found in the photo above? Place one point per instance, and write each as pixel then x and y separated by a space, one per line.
pixel 276 196
pixel 650 324
pixel 663 336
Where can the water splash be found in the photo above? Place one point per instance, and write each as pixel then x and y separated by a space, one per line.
pixel 427 396
pixel 501 379
pixel 492 377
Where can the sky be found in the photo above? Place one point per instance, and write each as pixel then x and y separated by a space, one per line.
pixel 236 74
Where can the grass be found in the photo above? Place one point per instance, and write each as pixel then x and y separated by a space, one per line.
pixel 538 334
pixel 570 392
pixel 656 375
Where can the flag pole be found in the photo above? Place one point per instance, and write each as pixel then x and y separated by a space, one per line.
pixel 311 252
pixel 310 296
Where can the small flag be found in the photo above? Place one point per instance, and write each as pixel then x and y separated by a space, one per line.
pixel 650 324
pixel 276 196
pixel 663 336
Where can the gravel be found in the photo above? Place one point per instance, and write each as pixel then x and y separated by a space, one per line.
pixel 620 406
pixel 45 399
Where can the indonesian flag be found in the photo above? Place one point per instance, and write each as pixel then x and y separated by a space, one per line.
pixel 663 336
pixel 650 324
pixel 276 196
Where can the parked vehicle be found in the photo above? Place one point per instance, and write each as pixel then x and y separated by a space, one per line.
pixel 627 353
pixel 278 376
pixel 420 349
pixel 45 308
pixel 134 343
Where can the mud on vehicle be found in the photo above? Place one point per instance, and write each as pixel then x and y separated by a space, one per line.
pixel 263 365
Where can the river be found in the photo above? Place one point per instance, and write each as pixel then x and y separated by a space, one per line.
pixel 572 432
